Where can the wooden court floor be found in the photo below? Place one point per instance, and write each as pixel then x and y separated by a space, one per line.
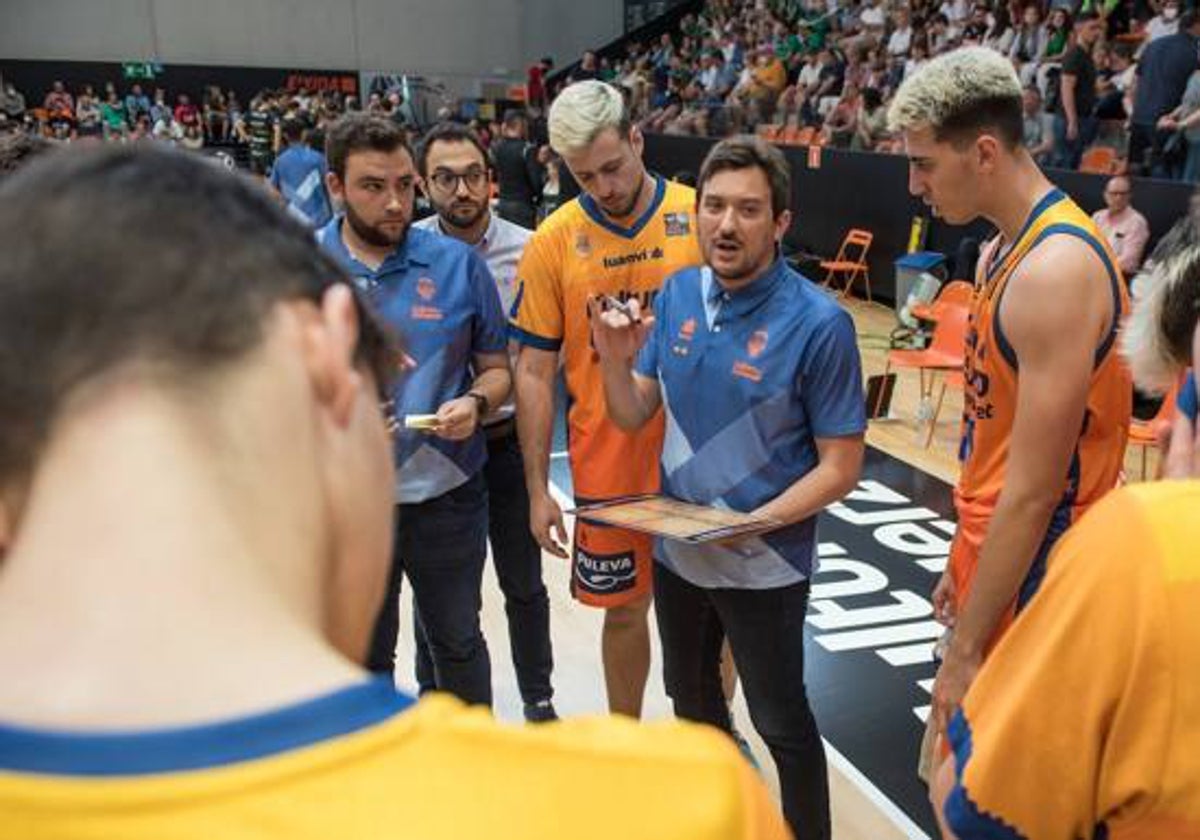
pixel 575 630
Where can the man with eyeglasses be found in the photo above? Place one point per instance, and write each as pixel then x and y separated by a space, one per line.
pixel 454 171
pixel 439 294
pixel 1126 230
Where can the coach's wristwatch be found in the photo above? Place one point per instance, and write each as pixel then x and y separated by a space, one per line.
pixel 481 402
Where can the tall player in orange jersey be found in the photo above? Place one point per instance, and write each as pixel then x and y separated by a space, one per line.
pixel 1047 400
pixel 620 239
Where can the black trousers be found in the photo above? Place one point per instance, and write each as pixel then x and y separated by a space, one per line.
pixel 765 628
pixel 518 561
pixel 440 546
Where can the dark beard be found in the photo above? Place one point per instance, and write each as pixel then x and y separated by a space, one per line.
pixel 451 221
pixel 373 236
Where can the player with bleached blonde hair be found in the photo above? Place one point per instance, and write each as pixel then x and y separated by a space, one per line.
pixel 1047 398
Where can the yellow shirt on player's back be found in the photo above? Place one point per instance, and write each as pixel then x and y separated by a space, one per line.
pixel 575 254
pixel 359 764
pixel 1085 720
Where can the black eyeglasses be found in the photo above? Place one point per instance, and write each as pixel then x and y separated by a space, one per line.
pixel 447 181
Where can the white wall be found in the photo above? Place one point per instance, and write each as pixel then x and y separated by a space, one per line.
pixel 454 40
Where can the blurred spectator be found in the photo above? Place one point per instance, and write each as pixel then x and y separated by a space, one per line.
pixel 1074 120
pixel 216 114
pixel 1030 38
pixel 112 113
pixel 1186 119
pixel 518 171
pixel 535 81
pixel 165 128
pixel 587 69
pixel 842 121
pixel 1037 127
pixel 1058 35
pixel 159 107
pixel 193 137
pixel 186 114
pixel 299 177
pixel 88 119
pixel 58 101
pixel 1162 76
pixel 871 132
pixel 901 38
pixel 262 134
pixel 12 102
pixel 1116 84
pixel 136 104
pixel 1166 22
pixel 1126 230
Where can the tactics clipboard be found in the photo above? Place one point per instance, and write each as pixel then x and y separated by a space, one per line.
pixel 674 519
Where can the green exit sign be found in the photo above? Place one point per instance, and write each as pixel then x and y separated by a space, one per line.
pixel 138 70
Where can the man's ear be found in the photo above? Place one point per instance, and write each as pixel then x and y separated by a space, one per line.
pixel 330 336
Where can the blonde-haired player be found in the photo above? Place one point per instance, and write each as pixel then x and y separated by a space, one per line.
pixel 627 232
pixel 1047 399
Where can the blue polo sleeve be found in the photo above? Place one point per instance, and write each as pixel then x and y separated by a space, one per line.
pixel 831 379
pixel 647 364
pixel 490 333
pixel 1187 401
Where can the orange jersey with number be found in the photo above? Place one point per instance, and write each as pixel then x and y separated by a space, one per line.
pixel 573 255
pixel 992 375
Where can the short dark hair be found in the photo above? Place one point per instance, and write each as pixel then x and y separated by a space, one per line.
pixel 18 149
pixel 1002 116
pixel 193 258
pixel 448 132
pixel 513 116
pixel 292 130
pixel 749 152
pixel 356 132
pixel 1085 16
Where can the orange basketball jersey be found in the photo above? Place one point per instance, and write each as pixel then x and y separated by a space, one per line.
pixel 992 377
pixel 577 253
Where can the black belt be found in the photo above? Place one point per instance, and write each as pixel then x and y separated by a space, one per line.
pixel 500 429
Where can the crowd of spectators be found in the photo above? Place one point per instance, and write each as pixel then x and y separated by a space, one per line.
pixel 219 119
pixel 1117 74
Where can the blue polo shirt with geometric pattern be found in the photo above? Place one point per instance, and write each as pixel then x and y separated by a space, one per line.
pixel 749 379
pixel 439 296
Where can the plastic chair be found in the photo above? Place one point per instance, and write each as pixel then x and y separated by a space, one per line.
pixel 848 264
pixel 955 293
pixel 944 354
pixel 953 379
pixel 769 131
pixel 1099 160
pixel 1141 432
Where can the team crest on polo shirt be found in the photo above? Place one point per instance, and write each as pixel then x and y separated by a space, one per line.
pixel 426 288
pixel 583 245
pixel 757 344
pixel 677 224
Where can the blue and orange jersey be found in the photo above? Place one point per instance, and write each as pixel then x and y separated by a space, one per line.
pixel 575 254
pixel 1084 720
pixel 992 377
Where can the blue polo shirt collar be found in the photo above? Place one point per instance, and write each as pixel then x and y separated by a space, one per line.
pixel 747 298
pixel 411 251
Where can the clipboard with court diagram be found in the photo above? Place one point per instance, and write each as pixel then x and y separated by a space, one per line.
pixel 674 519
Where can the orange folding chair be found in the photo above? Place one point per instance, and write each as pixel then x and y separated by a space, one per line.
pixel 1141 432
pixel 944 354
pixel 850 262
